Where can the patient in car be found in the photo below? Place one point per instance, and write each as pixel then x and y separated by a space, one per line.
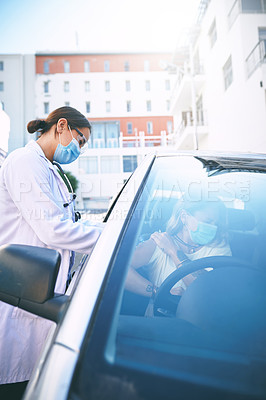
pixel 195 230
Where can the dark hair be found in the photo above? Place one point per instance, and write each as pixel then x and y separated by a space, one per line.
pixel 73 117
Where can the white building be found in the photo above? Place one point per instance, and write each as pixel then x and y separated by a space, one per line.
pixel 219 100
pixel 17 95
pixel 126 97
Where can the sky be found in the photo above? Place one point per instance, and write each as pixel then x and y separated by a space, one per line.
pixel 29 26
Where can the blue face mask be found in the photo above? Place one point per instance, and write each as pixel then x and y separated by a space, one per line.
pixel 204 233
pixel 67 154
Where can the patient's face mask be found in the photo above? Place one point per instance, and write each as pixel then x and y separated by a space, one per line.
pixel 203 234
pixel 67 154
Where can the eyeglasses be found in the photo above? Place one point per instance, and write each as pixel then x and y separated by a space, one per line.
pixel 83 141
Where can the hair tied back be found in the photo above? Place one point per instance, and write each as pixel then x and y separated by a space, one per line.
pixel 42 124
pixel 36 125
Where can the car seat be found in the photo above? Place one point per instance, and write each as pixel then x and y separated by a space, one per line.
pixel 242 235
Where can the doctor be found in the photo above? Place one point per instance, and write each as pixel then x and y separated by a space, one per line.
pixel 37 209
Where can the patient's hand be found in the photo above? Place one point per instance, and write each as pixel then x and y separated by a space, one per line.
pixel 177 291
pixel 166 244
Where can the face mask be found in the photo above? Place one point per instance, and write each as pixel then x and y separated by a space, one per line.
pixel 67 154
pixel 204 233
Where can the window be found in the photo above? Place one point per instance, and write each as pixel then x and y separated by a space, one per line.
pixel 167 85
pixel 1 65
pixel 67 103
pixel 66 66
pixel 108 106
pixel 213 34
pixel 111 134
pixel 87 86
pixel 169 126
pixel 107 86
pixel 149 127
pixel 228 73
pixel 106 66
pixel 207 333
pixel 1 86
pixel 126 66
pixel 110 165
pixel 130 163
pixel 86 66
pixel 128 106
pixel 200 112
pixel 46 108
pixel 262 35
pixel 88 106
pixel 129 127
pixel 148 105
pixel 128 86
pixel 46 87
pixel 148 85
pixel 2 105
pixel 105 134
pixel 253 6
pixel 262 39
pixel 167 105
pixel 46 67
pixel 89 164
pixel 98 135
pixel 66 86
pixel 146 65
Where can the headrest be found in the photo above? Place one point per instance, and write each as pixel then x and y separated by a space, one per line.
pixel 240 220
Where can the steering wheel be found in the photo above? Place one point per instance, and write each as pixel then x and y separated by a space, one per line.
pixel 165 303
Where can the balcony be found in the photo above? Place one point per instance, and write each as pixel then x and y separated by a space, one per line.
pixel 140 139
pixel 256 57
pixel 191 135
pixel 202 8
pixel 187 85
pixel 145 140
pixel 247 7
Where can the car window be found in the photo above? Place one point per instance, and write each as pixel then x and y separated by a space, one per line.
pixel 186 296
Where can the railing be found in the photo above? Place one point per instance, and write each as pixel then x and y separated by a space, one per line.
pixel 187 120
pixel 100 143
pixel 138 140
pixel 142 140
pixel 234 12
pixel 256 57
pixel 185 72
pixel 247 8
pixel 202 9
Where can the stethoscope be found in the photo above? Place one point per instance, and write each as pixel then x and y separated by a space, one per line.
pixel 68 184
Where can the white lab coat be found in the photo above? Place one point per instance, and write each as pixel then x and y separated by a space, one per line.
pixel 32 195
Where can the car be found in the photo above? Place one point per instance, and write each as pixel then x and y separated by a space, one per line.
pixel 207 342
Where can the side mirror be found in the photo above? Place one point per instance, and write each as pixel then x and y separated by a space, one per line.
pixel 27 280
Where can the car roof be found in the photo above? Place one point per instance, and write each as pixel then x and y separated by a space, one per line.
pixel 224 160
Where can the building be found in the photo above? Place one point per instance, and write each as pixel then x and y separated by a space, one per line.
pixel 219 98
pixel 126 93
pixel 17 95
pixel 209 94
pixel 126 97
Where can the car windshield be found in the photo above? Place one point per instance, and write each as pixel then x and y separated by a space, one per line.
pixel 192 301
